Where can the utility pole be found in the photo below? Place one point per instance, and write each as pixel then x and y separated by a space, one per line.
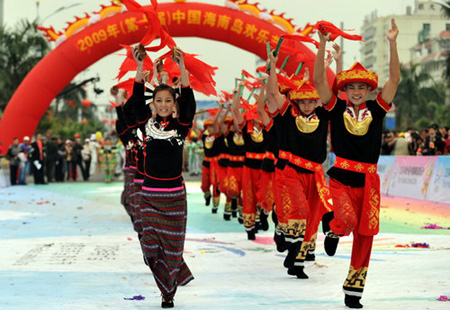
pixel 1 13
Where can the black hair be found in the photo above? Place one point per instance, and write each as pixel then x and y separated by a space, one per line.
pixel 162 87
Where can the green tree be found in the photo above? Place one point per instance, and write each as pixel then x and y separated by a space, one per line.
pixel 418 97
pixel 20 50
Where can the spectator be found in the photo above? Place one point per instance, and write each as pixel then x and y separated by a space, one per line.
pixel 433 143
pixel 13 156
pixel 25 163
pixel 60 161
pixel 387 145
pixel 51 158
pixel 95 147
pixel 76 157
pixel 69 167
pixel 401 145
pixel 37 156
pixel 86 155
pixel 447 141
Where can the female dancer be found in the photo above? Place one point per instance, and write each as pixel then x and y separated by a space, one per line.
pixel 163 208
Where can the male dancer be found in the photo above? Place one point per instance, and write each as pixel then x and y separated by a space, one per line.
pixel 356 127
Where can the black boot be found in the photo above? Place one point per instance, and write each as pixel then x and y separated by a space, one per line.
pixel 274 217
pixel 331 243
pixel 310 257
pixel 263 223
pixel 331 239
pixel 280 242
pixel 167 303
pixel 251 234
pixel 207 198
pixel 234 207
pixel 293 250
pixel 214 210
pixel 227 217
pixel 353 302
pixel 298 271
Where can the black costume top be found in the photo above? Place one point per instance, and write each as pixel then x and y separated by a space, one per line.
pixel 356 138
pixel 164 139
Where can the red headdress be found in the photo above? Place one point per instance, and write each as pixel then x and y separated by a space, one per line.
pixel 304 92
pixel 356 73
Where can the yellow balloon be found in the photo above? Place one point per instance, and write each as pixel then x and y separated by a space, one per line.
pixel 98 136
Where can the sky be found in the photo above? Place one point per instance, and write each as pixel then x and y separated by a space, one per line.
pixel 350 12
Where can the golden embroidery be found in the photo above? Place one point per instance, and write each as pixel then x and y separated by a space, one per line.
pixel 309 165
pixel 301 95
pixel 359 167
pixel 238 139
pixel 372 169
pixel 355 127
pixel 226 142
pixel 209 142
pixel 374 212
pixel 306 126
pixel 257 136
pixel 344 164
pixel 356 278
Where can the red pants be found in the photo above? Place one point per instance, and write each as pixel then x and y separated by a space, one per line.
pixel 234 175
pixel 210 177
pixel 267 189
pixel 280 189
pixel 347 206
pixel 252 195
pixel 223 179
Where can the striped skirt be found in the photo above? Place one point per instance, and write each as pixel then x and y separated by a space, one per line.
pixel 135 204
pixel 128 181
pixel 164 213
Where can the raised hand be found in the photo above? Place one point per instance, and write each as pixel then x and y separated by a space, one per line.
pixel 393 32
pixel 337 54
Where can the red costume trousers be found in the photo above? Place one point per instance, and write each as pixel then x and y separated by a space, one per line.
pixel 252 195
pixel 348 205
pixel 234 175
pixel 267 188
pixel 210 177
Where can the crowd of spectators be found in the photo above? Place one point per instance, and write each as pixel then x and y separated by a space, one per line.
pixel 52 159
pixel 433 140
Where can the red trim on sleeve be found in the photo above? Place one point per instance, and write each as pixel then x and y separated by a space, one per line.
pixel 183 124
pixel 139 82
pixel 382 103
pixel 272 115
pixel 269 126
pixel 330 105
pixel 284 107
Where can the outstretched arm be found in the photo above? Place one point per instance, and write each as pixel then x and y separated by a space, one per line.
pixel 390 88
pixel 179 59
pixel 273 90
pixel 320 80
pixel 261 103
pixel 237 115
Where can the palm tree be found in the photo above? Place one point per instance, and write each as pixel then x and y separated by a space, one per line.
pixel 417 96
pixel 20 50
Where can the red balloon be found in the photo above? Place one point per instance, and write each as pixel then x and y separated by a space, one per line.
pixel 100 39
pixel 105 121
pixel 86 103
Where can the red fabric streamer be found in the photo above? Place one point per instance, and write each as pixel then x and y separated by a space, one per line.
pixel 301 39
pixel 248 75
pixel 326 27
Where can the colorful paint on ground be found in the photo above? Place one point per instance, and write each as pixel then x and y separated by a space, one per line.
pixel 71 246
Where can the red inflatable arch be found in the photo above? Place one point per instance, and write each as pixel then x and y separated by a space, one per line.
pixel 79 51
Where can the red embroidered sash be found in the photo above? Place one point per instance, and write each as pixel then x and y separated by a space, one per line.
pixel 321 183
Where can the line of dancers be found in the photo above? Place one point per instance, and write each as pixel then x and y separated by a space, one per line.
pixel 264 157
